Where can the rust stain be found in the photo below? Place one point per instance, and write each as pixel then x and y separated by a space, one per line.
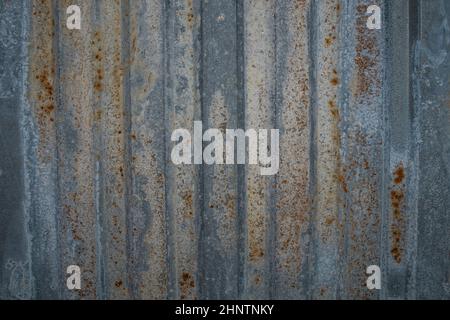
pixel 330 38
pixel 343 183
pixel 363 217
pixel 42 77
pixel 396 250
pixel 396 198
pixel 98 86
pixel 397 201
pixel 330 220
pixel 257 279
pixel 334 81
pixel 190 17
pixel 45 83
pixel 399 175
pixel 188 203
pixel 293 200
pixel 98 115
pixel 98 57
pixel 334 110
pixel 45 97
pixel 256 254
pixel 187 283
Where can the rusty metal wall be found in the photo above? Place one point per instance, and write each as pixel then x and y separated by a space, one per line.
pixel 85 170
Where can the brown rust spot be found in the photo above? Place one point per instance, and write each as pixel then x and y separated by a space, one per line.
pixel 397 224
pixel 50 108
pixel 396 250
pixel 187 204
pixel 399 174
pixel 98 56
pixel 230 204
pixel 343 183
pixel 100 74
pixel 329 220
pixel 333 109
pixel 118 283
pixel 98 80
pixel 98 115
pixel 366 164
pixel 256 253
pixel 190 17
pixel 186 284
pixel 43 78
pixel 45 97
pixel 98 86
pixel 396 199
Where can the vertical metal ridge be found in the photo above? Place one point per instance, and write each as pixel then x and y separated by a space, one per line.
pixel 433 151
pixel 200 196
pixel 24 121
pixel 170 273
pixel 292 200
pixel 330 180
pixel 16 278
pixel 109 86
pixel 362 146
pixel 259 69
pixel 43 150
pixel 183 111
pixel 312 117
pixel 148 228
pixel 99 166
pixel 240 122
pixel 219 228
pixel 414 26
pixel 126 65
pixel 400 168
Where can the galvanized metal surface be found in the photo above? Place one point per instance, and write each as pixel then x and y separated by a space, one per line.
pixel 85 170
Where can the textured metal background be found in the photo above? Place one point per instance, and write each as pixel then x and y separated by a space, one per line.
pixel 85 170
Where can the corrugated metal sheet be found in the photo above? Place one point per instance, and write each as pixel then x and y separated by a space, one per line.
pixel 85 170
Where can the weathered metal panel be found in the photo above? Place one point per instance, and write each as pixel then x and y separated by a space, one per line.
pixel 221 94
pixel 147 215
pixel 292 198
pixel 432 124
pixel 399 197
pixel 86 176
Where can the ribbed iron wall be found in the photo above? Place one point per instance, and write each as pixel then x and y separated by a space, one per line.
pixel 85 170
